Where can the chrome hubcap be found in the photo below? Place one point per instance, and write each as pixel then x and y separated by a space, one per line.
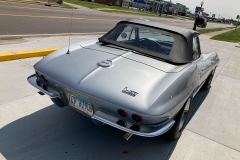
pixel 185 113
pixel 210 80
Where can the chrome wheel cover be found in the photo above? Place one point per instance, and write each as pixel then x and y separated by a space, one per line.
pixel 185 114
pixel 211 77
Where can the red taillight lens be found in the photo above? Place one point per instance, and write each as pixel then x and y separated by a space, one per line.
pixel 137 118
pixel 135 127
pixel 38 83
pixel 45 87
pixel 44 78
pixel 122 113
pixel 121 123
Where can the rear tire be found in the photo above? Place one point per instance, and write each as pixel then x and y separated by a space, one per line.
pixel 205 25
pixel 208 82
pixel 180 121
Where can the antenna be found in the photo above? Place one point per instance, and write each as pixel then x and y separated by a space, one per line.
pixel 70 32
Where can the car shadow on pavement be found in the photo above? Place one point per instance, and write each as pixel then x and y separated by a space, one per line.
pixel 196 103
pixel 61 133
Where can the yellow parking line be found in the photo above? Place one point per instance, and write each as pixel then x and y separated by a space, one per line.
pixel 35 53
pixel 7 56
pixel 55 17
pixel 26 54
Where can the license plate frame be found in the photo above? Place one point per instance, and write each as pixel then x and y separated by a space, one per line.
pixel 80 104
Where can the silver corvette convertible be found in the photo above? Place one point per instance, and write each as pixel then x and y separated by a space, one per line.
pixel 140 77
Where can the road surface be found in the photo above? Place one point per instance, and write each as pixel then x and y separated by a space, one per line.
pixel 25 19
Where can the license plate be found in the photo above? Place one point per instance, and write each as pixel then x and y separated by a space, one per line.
pixel 81 104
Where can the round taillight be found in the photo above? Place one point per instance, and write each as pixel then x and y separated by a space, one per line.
pixel 135 127
pixel 122 113
pixel 137 118
pixel 44 78
pixel 37 74
pixel 121 123
pixel 45 87
pixel 38 83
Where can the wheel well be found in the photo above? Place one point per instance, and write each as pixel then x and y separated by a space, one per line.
pixel 191 96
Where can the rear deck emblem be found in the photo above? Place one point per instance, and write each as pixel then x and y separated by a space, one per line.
pixel 105 63
pixel 129 92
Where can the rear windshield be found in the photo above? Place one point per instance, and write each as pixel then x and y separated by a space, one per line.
pixel 146 38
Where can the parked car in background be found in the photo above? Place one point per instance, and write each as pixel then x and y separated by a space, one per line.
pixel 140 77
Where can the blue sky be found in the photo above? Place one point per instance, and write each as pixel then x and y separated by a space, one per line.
pixel 226 8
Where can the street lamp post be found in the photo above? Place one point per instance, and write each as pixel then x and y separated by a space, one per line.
pixel 161 9
pixel 146 5
pixel 195 22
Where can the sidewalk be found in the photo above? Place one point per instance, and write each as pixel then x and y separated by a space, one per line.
pixel 41 42
pixel 39 46
pixel 217 33
pixel 214 132
pixel 77 6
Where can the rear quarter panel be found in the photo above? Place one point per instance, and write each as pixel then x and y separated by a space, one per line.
pixel 209 62
pixel 174 96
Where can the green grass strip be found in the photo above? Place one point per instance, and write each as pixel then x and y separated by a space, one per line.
pixel 231 36
pixel 115 9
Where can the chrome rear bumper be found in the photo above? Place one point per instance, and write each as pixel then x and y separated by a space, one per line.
pixel 32 80
pixel 56 96
pixel 156 132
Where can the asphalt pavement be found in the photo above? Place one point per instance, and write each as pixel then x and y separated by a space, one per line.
pixel 25 19
pixel 32 127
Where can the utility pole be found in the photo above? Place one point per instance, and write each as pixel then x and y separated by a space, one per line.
pixel 146 5
pixel 161 9
pixel 237 22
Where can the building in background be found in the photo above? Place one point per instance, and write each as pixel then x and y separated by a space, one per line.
pixel 110 2
pixel 165 7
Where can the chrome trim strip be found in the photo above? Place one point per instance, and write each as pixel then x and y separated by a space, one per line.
pixel 32 80
pixel 162 130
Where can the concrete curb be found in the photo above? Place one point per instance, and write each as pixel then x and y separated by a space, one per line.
pixel 32 2
pixel 51 35
pixel 6 56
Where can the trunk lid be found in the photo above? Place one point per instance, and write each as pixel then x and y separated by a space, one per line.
pixel 80 71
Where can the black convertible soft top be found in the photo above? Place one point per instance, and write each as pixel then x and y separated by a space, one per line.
pixel 181 52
